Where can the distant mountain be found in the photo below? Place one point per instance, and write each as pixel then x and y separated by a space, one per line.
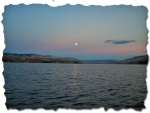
pixel 34 58
pixel 100 61
pixel 134 60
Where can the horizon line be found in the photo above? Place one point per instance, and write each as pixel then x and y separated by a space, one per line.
pixel 72 57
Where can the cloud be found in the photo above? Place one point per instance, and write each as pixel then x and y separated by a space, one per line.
pixel 119 41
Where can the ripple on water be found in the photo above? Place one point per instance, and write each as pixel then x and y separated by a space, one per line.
pixel 53 86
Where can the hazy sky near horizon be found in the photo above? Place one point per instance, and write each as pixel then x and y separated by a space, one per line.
pixel 110 32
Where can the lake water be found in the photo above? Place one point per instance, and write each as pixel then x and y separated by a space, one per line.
pixel 75 86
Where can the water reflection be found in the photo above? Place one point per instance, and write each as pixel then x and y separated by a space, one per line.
pixel 75 70
pixel 73 81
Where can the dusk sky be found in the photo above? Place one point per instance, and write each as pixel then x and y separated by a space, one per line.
pixel 112 32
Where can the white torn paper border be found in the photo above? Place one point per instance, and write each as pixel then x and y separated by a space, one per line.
pixel 60 3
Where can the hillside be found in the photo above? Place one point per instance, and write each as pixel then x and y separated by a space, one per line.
pixel 34 58
pixel 134 60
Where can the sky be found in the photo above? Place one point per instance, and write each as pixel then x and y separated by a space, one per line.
pixel 110 32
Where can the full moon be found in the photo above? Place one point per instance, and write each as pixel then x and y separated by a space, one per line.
pixel 76 44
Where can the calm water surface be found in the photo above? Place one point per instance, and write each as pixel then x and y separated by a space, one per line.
pixel 77 86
